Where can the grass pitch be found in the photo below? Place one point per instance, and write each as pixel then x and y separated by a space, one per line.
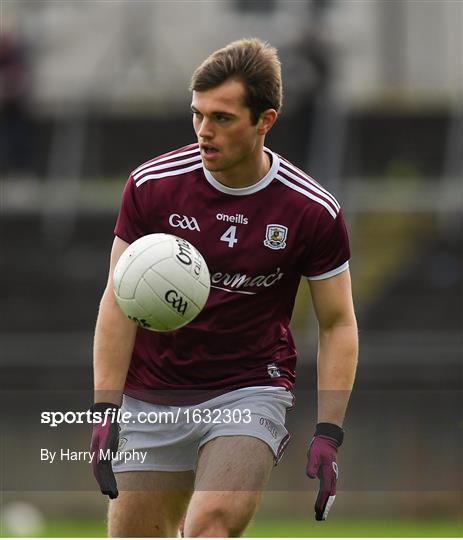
pixel 295 529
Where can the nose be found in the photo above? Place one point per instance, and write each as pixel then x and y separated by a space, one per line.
pixel 205 129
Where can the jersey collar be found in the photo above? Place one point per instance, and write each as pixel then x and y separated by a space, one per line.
pixel 261 184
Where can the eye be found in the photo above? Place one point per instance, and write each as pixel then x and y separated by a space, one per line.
pixel 222 118
pixel 196 114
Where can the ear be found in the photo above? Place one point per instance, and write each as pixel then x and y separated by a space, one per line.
pixel 266 121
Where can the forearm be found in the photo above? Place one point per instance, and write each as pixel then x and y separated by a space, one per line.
pixel 112 350
pixel 337 362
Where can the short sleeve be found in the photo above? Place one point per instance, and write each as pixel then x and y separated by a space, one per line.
pixel 130 223
pixel 329 251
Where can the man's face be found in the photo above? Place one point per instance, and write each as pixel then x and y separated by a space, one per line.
pixel 227 139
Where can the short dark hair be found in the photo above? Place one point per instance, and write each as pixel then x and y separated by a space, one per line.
pixel 253 62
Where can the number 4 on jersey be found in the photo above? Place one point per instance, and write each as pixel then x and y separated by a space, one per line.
pixel 229 236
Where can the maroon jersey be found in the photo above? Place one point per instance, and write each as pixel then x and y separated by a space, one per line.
pixel 257 241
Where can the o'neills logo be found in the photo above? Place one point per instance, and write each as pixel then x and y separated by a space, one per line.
pixel 237 218
pixel 239 281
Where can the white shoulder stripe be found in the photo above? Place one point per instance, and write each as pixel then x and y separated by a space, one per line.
pixel 308 194
pixel 155 167
pixel 310 182
pixel 168 173
pixel 165 158
pixel 331 200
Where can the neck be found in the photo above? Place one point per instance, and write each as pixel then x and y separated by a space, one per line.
pixel 245 174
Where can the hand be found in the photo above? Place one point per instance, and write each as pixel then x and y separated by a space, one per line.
pixel 105 440
pixel 322 464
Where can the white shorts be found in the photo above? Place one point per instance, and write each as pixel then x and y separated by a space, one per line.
pixel 168 438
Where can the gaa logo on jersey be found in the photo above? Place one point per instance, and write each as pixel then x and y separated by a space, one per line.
pixel 275 236
pixel 184 222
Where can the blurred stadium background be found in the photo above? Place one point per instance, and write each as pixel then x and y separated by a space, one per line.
pixel 373 110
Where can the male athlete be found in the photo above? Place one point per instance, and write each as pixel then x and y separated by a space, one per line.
pixel 261 225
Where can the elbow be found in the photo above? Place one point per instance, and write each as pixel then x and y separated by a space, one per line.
pixel 344 322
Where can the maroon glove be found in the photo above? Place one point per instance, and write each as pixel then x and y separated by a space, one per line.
pixel 105 440
pixel 322 464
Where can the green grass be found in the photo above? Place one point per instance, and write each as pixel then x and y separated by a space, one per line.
pixel 297 529
pixel 367 528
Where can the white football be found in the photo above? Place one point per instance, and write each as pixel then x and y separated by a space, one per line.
pixel 161 282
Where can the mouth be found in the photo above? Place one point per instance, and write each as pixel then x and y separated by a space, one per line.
pixel 208 151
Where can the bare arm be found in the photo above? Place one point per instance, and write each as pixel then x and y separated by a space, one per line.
pixel 338 345
pixel 114 340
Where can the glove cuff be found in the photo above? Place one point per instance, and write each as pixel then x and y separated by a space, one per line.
pixel 103 406
pixel 330 430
